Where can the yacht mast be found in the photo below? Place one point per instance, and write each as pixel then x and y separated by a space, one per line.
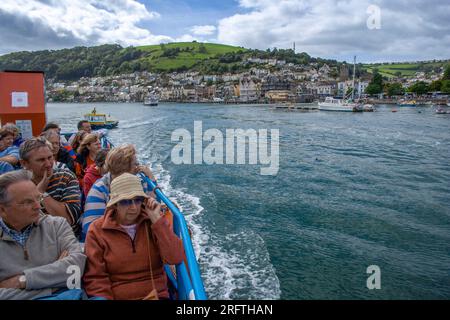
pixel 353 82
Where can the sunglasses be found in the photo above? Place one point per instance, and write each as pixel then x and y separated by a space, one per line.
pixel 128 202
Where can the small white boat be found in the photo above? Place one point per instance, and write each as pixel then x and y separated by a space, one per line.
pixel 151 101
pixel 368 107
pixel 333 104
pixel 441 110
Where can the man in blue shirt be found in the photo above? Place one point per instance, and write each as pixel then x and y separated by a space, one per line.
pixel 9 154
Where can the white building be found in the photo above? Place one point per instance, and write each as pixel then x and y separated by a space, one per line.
pixel 248 90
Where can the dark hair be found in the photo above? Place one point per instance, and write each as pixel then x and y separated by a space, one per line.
pixel 80 124
pixel 31 144
pixel 76 142
pixel 100 158
pixel 50 125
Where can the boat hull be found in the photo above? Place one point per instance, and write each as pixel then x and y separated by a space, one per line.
pixel 111 125
pixel 334 107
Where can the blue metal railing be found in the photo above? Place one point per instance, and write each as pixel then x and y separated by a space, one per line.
pixel 189 284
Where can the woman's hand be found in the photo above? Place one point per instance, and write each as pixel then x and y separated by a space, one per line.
pixel 146 170
pixel 153 209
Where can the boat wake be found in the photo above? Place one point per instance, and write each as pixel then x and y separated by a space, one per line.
pixel 237 267
pixel 133 123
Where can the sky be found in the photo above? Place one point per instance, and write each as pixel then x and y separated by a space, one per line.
pixel 373 30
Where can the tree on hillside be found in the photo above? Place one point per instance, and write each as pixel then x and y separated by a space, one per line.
pixel 202 49
pixel 376 84
pixel 446 73
pixel 419 88
pixel 445 87
pixel 394 89
pixel 436 85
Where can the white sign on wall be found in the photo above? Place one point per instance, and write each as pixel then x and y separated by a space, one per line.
pixel 19 99
pixel 25 128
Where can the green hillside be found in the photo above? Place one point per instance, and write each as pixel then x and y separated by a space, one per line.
pixel 107 60
pixel 391 70
pixel 184 55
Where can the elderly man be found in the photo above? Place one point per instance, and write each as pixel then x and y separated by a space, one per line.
pixel 39 253
pixel 59 187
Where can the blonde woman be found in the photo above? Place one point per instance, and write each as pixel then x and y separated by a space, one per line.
pixel 118 161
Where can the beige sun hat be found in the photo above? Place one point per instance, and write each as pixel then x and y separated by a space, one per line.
pixel 125 187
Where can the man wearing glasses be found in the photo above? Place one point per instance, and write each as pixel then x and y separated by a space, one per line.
pixel 36 250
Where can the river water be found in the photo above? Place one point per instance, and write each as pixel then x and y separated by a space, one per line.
pixel 352 191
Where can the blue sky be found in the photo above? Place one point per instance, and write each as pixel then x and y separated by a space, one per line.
pixel 179 15
pixel 374 30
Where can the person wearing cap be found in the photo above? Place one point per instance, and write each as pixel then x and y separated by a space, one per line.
pixel 120 245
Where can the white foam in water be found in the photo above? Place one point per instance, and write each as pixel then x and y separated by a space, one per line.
pixel 243 273
pixel 128 124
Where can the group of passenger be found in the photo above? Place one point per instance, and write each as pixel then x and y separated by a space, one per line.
pixel 73 205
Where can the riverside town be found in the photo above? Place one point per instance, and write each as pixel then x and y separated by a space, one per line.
pixel 211 153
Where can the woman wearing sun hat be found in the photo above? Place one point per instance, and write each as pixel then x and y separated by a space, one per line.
pixel 120 245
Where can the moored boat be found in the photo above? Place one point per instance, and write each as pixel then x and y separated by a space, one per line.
pixel 333 104
pixel 100 120
pixel 407 103
pixel 441 110
pixel 368 107
pixel 151 101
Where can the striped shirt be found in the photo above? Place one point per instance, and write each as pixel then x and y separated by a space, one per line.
pixel 10 151
pixel 59 165
pixel 96 201
pixel 63 187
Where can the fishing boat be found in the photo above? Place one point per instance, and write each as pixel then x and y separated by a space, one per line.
pixel 407 103
pixel 100 120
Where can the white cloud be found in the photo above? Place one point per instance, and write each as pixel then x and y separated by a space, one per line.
pixel 186 38
pixel 85 22
pixel 203 30
pixel 334 28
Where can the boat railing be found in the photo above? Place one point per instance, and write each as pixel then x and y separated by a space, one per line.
pixel 188 283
